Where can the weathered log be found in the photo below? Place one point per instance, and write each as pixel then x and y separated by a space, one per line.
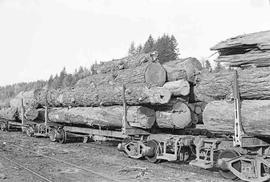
pixel 152 74
pixel 106 96
pixel 120 64
pixel 219 116
pixel 254 83
pixel 177 116
pixel 9 113
pixel 245 50
pixel 261 39
pixel 186 68
pixel 248 59
pixel 178 88
pixel 137 116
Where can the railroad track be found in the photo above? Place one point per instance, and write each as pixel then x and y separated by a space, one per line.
pixel 87 171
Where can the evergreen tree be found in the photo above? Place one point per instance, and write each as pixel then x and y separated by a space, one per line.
pixel 208 65
pixel 149 45
pixel 166 47
pixel 139 49
pixel 132 49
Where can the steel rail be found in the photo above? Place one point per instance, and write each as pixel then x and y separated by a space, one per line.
pixel 27 169
pixel 67 163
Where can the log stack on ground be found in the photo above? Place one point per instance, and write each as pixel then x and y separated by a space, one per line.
pixel 245 50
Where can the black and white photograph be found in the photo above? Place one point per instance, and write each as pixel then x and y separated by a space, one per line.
pixel 134 90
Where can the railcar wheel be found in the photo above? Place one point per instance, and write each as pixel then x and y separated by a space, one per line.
pixel 156 150
pixel 4 126
pixel 229 154
pixel 63 138
pixel 53 134
pixel 30 131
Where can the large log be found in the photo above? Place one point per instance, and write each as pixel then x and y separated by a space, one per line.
pixel 261 39
pixel 254 83
pixel 120 64
pixel 178 88
pixel 152 74
pixel 219 116
pixel 137 116
pixel 176 115
pixel 28 99
pixel 245 50
pixel 186 68
pixel 106 96
pixel 9 113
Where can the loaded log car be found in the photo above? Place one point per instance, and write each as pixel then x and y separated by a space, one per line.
pixel 239 155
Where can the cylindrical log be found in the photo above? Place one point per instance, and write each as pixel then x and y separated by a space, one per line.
pixel 177 116
pixel 254 83
pixel 186 68
pixel 137 116
pixel 9 113
pixel 123 63
pixel 28 99
pixel 219 116
pixel 152 74
pixel 178 88
pixel 106 96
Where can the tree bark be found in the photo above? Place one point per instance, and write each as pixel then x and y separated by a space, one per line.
pixel 254 84
pixel 9 113
pixel 178 88
pixel 110 117
pixel 186 69
pixel 152 74
pixel 219 116
pixel 176 115
pixel 245 50
pixel 120 64
pixel 105 96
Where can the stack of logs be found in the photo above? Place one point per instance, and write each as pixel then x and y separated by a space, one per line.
pixel 157 96
pixel 251 52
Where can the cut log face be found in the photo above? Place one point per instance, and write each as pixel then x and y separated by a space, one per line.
pixel 120 64
pixel 219 116
pixel 178 88
pixel 152 74
pixel 254 84
pixel 105 96
pixel 9 113
pixel 186 69
pixel 110 117
pixel 177 116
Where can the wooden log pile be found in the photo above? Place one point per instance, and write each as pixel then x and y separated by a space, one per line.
pixel 216 89
pixel 157 95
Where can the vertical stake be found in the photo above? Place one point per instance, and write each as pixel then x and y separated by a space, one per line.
pixel 22 115
pixel 124 121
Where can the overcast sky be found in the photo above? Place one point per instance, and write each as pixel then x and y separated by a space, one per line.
pixel 39 37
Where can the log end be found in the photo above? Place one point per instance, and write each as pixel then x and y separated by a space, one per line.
pixel 155 75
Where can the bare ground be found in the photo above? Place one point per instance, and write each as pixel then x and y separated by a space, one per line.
pixel 106 162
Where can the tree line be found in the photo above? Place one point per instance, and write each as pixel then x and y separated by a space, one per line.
pixel 166 46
